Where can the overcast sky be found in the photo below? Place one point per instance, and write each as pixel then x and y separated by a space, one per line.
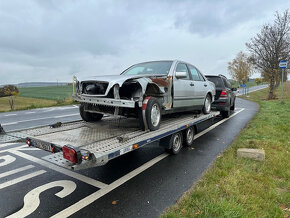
pixel 47 40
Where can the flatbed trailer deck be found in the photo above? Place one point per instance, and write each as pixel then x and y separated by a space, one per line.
pixel 78 144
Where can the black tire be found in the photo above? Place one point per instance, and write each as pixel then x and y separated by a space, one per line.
pixel 153 120
pixel 233 106
pixel 225 114
pixel 89 117
pixel 207 105
pixel 188 136
pixel 174 143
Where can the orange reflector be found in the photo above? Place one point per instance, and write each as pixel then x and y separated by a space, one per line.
pixel 135 146
pixel 187 125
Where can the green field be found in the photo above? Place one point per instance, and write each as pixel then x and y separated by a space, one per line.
pixel 58 93
pixel 38 97
pixel 249 84
pixel 235 187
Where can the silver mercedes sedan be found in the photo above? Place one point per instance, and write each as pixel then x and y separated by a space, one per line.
pixel 146 91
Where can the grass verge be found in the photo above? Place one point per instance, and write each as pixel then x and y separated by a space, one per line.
pixel 235 187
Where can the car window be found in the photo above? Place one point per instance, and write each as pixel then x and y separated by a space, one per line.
pixel 227 84
pixel 155 67
pixel 216 80
pixel 181 67
pixel 195 74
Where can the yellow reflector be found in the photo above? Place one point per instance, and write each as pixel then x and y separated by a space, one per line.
pixel 135 146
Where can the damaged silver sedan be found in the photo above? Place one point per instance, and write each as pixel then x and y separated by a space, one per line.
pixel 146 91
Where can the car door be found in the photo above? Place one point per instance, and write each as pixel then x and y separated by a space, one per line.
pixel 183 88
pixel 200 86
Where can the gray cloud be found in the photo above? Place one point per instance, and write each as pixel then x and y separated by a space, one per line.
pixel 49 39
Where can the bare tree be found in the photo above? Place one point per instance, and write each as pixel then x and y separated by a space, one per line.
pixel 240 68
pixel 269 47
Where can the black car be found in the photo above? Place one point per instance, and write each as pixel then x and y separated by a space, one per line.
pixel 225 97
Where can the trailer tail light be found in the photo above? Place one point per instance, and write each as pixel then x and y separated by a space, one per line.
pixel 224 94
pixel 28 142
pixel 72 154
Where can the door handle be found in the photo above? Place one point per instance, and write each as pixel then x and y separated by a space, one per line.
pixel 191 84
pixel 205 85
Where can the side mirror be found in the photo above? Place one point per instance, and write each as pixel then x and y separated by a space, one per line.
pixel 234 89
pixel 181 75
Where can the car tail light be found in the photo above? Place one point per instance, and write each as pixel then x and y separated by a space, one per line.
pixel 224 94
pixel 72 154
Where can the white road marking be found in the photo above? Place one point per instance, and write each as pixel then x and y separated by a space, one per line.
pixel 68 115
pixel 217 124
pixel 7 160
pixel 6 144
pixel 11 172
pixel 8 115
pixel 20 179
pixel 32 201
pixel 30 112
pixel 98 194
pixel 9 149
pixel 69 173
pixel 44 118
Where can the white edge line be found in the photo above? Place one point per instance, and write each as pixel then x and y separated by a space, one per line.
pixel 98 194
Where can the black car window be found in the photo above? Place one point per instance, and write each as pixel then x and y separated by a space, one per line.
pixel 195 74
pixel 227 84
pixel 216 80
pixel 181 67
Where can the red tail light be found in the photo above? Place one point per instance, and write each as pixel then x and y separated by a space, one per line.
pixel 28 141
pixel 224 94
pixel 71 154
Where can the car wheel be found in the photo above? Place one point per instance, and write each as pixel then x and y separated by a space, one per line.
pixel 189 136
pixel 153 114
pixel 174 142
pixel 207 105
pixel 233 106
pixel 225 114
pixel 89 117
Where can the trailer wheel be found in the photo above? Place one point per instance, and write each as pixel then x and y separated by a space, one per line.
pixel 89 117
pixel 173 143
pixel 189 136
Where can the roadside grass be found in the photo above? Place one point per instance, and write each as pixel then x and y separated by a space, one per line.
pixel 235 187
pixel 23 103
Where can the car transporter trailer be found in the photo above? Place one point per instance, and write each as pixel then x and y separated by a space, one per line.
pixel 79 145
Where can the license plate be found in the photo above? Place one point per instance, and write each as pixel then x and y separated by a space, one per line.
pixel 43 146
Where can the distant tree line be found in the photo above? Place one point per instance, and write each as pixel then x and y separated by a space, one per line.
pixel 8 90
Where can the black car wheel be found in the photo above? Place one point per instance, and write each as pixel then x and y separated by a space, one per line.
pixel 152 115
pixel 89 117
pixel 226 114
pixel 233 106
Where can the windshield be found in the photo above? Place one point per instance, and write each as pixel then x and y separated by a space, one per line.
pixel 156 67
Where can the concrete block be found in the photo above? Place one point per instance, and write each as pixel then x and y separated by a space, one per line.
pixel 255 154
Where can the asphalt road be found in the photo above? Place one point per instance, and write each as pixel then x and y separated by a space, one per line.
pixel 142 183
